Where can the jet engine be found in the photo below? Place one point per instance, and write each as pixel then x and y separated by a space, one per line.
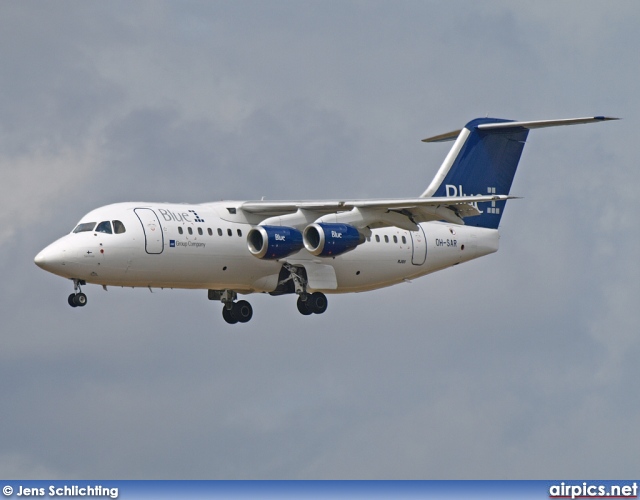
pixel 327 240
pixel 273 242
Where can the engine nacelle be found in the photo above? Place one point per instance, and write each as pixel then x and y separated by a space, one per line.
pixel 326 240
pixel 274 242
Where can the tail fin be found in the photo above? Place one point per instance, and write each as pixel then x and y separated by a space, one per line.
pixel 484 159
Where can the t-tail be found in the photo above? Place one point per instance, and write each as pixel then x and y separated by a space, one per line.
pixel 484 159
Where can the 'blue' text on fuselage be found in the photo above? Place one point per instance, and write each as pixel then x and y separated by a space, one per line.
pixel 168 215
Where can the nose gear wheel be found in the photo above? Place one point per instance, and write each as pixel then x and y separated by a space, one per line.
pixel 77 299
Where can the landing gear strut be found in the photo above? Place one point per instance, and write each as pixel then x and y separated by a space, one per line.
pixel 308 303
pixel 232 312
pixel 77 299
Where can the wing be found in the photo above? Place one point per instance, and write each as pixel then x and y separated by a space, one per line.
pixel 402 212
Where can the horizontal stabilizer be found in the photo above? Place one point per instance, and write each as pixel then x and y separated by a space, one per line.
pixel 544 123
pixel 451 136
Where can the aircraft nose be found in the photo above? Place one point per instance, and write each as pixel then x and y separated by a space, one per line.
pixel 52 258
pixel 48 258
pixel 41 259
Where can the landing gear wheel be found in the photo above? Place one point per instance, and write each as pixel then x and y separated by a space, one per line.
pixel 242 311
pixel 226 314
pixel 77 299
pixel 303 306
pixel 317 303
pixel 80 299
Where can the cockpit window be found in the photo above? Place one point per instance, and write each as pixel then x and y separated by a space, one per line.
pixel 85 226
pixel 118 227
pixel 104 227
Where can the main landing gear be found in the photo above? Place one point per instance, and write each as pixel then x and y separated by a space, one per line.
pixel 308 303
pixel 241 311
pixel 77 299
pixel 233 312
pixel 315 303
pixel 237 312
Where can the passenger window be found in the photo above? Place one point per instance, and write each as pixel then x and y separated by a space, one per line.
pixel 219 232
pixel 377 238
pixel 209 231
pixel 190 230
pixel 84 227
pixel 368 238
pixel 395 239
pixel 229 232
pixel 386 239
pixel 404 240
pixel 118 227
pixel 239 233
pixel 179 229
pixel 104 227
pixel 200 231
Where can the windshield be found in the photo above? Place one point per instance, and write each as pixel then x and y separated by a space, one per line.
pixel 104 227
pixel 85 226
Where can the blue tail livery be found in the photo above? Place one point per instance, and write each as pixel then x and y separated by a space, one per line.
pixel 483 161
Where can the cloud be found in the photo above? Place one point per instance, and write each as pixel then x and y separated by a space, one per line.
pixel 48 177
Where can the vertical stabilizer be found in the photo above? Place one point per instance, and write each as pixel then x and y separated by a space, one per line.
pixel 480 162
pixel 484 159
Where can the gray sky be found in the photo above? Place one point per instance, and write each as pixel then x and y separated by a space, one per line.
pixel 522 364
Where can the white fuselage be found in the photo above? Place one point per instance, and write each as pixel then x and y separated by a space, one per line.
pixel 204 246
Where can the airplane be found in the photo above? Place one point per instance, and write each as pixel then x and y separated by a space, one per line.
pixel 306 248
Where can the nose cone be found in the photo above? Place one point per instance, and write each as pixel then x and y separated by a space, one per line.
pixel 41 260
pixel 52 258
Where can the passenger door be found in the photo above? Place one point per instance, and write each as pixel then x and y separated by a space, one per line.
pixel 154 239
pixel 419 241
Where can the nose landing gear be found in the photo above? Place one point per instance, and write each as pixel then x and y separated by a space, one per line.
pixel 77 299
